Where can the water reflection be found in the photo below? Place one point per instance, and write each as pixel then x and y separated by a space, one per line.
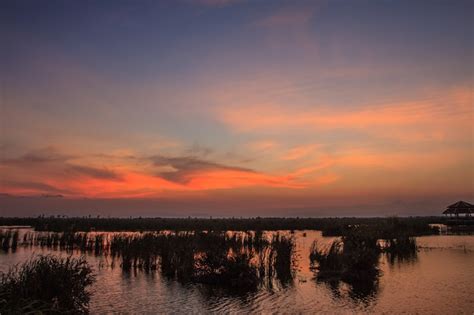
pixel 362 291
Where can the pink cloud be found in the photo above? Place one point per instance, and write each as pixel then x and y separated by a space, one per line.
pixel 431 118
pixel 263 145
pixel 35 174
pixel 299 152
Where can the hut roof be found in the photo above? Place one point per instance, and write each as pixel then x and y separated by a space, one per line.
pixel 459 207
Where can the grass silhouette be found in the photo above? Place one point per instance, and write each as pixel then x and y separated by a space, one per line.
pixel 46 284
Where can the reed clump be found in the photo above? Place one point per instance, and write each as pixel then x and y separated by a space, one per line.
pixel 402 248
pixel 353 260
pixel 231 259
pixel 47 284
pixel 283 256
pixel 9 239
pixel 177 254
pixel 353 257
pixel 238 259
pixel 330 262
pixel 69 241
pixel 226 268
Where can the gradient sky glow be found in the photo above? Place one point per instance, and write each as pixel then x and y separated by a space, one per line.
pixel 235 107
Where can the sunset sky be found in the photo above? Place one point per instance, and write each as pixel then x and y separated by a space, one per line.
pixel 236 108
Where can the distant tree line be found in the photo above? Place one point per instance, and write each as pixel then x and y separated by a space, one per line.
pixel 412 226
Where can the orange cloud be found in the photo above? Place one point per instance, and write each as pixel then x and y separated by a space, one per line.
pixel 324 163
pixel 48 173
pixel 432 118
pixel 235 179
pixel 299 152
pixel 135 185
pixel 263 145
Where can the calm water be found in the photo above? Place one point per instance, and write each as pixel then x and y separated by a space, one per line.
pixel 440 280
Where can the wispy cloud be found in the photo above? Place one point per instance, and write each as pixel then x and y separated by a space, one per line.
pixel 428 118
pixel 299 152
pixel 31 188
pixel 48 171
pixel 100 173
pixel 185 167
pixel 262 145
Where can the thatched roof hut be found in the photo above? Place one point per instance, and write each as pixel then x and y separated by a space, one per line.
pixel 460 207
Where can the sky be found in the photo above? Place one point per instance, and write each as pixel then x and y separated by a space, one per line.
pixel 236 107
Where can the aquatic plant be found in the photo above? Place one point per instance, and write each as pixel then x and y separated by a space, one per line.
pixel 353 259
pixel 402 248
pixel 360 253
pixel 232 270
pixel 177 254
pixel 284 248
pixel 47 283
pixel 9 239
pixel 232 259
pixel 330 261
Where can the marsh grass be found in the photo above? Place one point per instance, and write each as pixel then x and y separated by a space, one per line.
pixel 69 241
pixel 354 258
pixel 46 284
pixel 230 259
pixel 400 249
pixel 283 253
pixel 235 258
pixel 9 239
pixel 229 268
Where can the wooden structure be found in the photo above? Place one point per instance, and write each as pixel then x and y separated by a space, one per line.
pixel 460 207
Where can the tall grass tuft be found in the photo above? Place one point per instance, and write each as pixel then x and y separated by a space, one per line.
pixel 330 262
pixel 48 284
pixel 353 259
pixel 402 248
pixel 284 248
pixel 9 239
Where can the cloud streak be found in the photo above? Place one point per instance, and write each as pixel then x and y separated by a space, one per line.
pixel 184 168
pixel 431 118
pixel 53 173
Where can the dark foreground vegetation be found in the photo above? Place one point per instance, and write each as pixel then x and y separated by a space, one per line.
pixel 47 284
pixel 241 260
pixel 9 239
pixel 413 226
pixel 354 258
pixel 233 254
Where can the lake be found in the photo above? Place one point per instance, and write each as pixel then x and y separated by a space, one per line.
pixel 440 279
